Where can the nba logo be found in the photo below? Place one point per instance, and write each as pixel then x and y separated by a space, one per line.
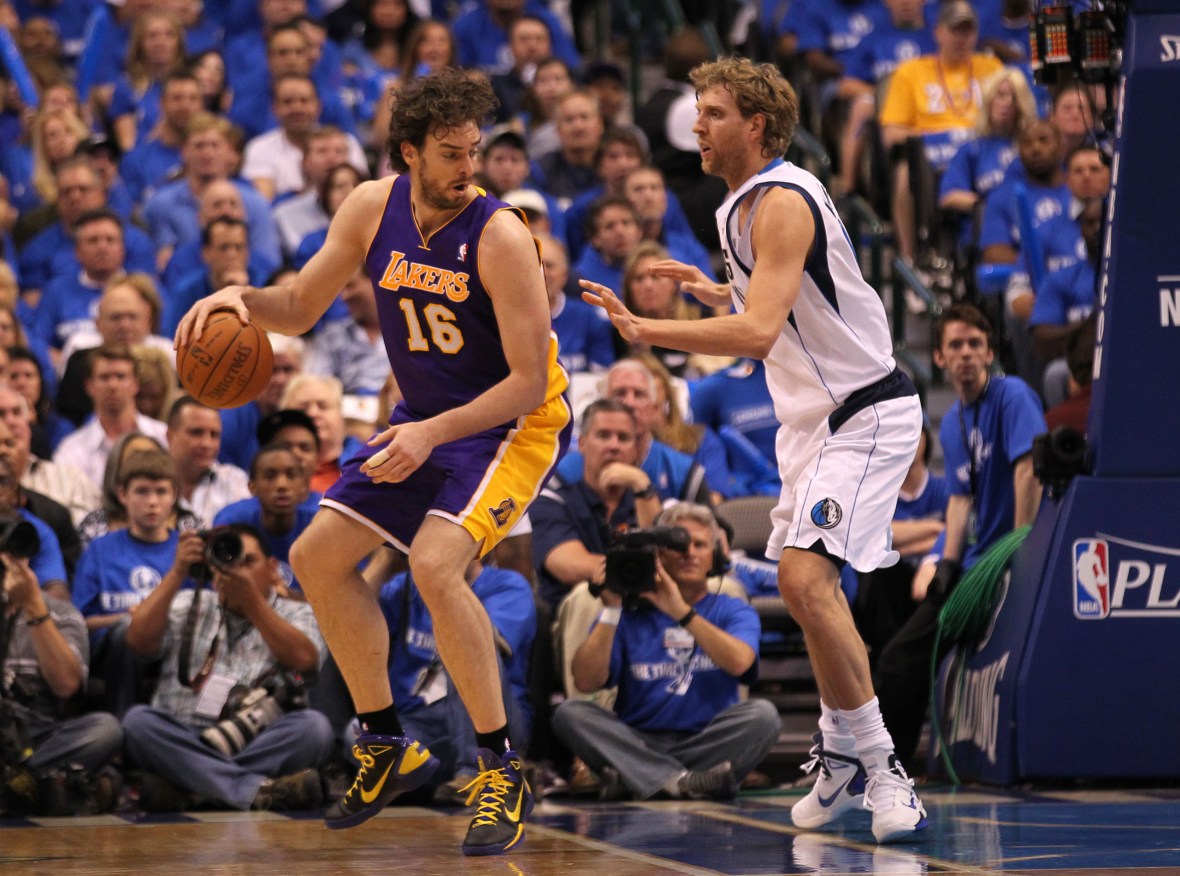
pixel 1091 579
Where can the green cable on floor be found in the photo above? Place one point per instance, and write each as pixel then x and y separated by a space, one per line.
pixel 965 617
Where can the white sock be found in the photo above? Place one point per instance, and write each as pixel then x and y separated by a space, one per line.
pixel 838 737
pixel 873 742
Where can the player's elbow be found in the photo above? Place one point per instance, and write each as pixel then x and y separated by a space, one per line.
pixel 760 343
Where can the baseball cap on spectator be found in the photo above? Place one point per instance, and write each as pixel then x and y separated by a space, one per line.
pixel 504 133
pixel 597 70
pixel 956 12
pixel 272 424
pixel 527 199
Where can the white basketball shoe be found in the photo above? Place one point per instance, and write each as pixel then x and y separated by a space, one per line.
pixel 839 788
pixel 897 810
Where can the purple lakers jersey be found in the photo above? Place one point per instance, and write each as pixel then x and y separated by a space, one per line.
pixel 436 316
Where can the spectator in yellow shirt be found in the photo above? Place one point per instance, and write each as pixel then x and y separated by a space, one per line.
pixel 938 98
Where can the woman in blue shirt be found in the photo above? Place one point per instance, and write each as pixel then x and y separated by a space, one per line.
pixel 979 165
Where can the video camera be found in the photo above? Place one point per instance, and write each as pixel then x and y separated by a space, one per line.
pixel 19 538
pixel 223 548
pixel 1068 44
pixel 631 561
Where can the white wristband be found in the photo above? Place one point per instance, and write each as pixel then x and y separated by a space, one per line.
pixel 610 616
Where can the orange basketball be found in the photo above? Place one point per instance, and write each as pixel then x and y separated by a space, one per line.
pixel 229 365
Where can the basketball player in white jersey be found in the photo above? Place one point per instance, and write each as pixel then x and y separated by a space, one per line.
pixel 850 420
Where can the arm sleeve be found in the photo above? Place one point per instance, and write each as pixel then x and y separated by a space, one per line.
pixel 1023 421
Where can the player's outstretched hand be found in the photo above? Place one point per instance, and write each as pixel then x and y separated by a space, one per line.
pixel 193 322
pixel 693 281
pixel 407 446
pixel 599 295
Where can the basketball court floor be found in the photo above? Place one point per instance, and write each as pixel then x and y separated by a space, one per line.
pixel 971 831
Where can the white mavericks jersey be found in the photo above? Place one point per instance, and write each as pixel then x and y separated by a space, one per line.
pixel 836 339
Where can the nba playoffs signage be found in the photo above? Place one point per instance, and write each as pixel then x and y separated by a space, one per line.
pixel 1085 638
pixel 1134 584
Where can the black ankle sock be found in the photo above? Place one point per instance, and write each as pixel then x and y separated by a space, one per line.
pixel 496 742
pixel 383 722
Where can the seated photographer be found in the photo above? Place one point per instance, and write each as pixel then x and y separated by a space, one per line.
pixel 43 660
pixel 424 694
pixel 201 736
pixel 678 657
pixel 46 559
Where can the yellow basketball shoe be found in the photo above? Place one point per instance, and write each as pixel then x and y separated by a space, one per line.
pixel 505 801
pixel 390 765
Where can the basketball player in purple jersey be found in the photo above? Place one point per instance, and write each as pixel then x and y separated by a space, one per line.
pixel 850 419
pixel 465 316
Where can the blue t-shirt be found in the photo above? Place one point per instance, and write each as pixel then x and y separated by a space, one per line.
pixel 147 166
pixel 1066 296
pixel 144 105
pixel 1000 426
pixel 68 306
pixel 666 682
pixel 250 511
pixel 47 564
pixel 978 166
pixel 508 598
pixel 886 46
pixel 837 27
pixel 482 43
pixel 117 571
pixel 1001 220
pixel 583 337
pixel 1061 242
pixel 738 397
pixel 931 502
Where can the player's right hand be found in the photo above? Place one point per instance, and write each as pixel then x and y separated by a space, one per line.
pixel 193 322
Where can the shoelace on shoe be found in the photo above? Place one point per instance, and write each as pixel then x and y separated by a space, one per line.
pixel 820 758
pixel 898 787
pixel 367 762
pixel 491 786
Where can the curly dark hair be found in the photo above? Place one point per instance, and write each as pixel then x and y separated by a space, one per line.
pixel 443 100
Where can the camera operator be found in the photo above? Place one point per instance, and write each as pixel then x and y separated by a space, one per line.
pixel 43 657
pixel 678 726
pixel 245 635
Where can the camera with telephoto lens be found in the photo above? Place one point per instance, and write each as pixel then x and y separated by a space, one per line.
pixel 631 561
pixel 250 710
pixel 223 548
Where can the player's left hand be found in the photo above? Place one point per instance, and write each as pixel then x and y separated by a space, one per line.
pixel 409 445
pixel 601 296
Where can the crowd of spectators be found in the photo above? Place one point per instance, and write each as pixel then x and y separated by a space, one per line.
pixel 153 153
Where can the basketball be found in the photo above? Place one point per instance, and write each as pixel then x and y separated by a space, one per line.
pixel 229 365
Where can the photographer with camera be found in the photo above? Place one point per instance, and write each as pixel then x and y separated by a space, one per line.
pixel 43 659
pixel 678 660
pixel 987 440
pixel 227 723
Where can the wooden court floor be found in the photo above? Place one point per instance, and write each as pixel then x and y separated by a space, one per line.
pixel 971 831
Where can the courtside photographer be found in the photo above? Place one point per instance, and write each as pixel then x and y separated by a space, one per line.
pixel 49 763
pixel 678 656
pixel 226 726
